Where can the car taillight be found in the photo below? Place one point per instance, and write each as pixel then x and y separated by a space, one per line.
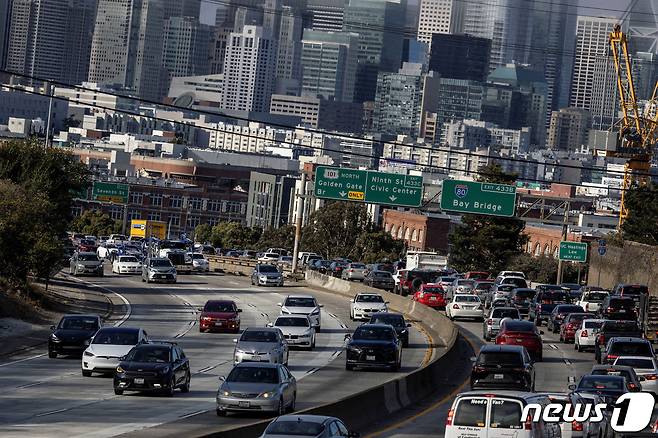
pixel 586 307
pixel 478 369
pixel 654 429
pixel 451 414
pixel 583 334
pixel 651 377
pixel 609 309
pixel 455 306
pixel 489 321
pixel 612 356
pixel 601 339
pixel 576 426
pixel 528 423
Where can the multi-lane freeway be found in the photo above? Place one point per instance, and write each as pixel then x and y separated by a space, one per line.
pixel 49 397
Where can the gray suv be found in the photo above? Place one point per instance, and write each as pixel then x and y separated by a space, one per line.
pixel 261 345
pixel 158 269
pixel 85 263
pixel 266 275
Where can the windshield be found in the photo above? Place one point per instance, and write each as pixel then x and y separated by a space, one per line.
pixel 219 307
pixel 357 266
pixel 291 322
pixel 253 375
pixel 369 299
pixel 390 319
pixel 373 334
pixel 552 297
pixel 88 257
pixel 294 428
pixel 300 302
pixel 618 326
pixel 150 354
pixel 621 303
pixel 519 326
pixel 593 324
pixel 634 290
pixel 524 294
pixel 518 282
pixel 635 362
pixel 128 259
pixel 259 336
pixel 500 358
pixel 161 263
pixel 465 282
pixel 612 372
pixel 505 313
pixel 78 323
pixel 382 274
pixel 594 383
pixel 483 286
pixel 433 290
pixel 87 242
pixel 467 299
pixel 168 244
pixel 116 337
pixel 595 297
pixel 198 256
pixel 630 349
pixel 569 309
pixel 267 269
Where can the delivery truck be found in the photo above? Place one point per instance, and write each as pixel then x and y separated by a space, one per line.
pixel 145 229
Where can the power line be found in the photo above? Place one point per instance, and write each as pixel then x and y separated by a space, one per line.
pixel 312 130
pixel 431 166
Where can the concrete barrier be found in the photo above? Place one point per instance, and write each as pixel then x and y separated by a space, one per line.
pixel 362 409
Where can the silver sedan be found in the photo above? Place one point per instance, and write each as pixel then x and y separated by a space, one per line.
pixel 257 387
pixel 261 345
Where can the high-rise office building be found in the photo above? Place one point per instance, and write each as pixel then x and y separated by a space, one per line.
pixel 79 34
pixel 569 129
pixel 37 38
pixel 327 15
pixel 439 16
pixel 398 101
pixel 182 8
pixel 378 23
pixel 329 62
pixel 506 23
pixel 591 43
pixel 460 56
pixel 185 48
pixel 127 46
pixel 218 49
pixel 604 107
pixel 249 70
pixel 641 20
pixel 288 67
pixel 5 12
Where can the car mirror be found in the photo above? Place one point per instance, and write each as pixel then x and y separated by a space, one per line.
pixel 352 300
pixel 222 378
pixel 408 324
pixel 641 378
pixel 52 327
pixel 200 309
pixel 473 359
pixel 279 304
pixel 541 332
pixel 239 310
pixel 235 341
pixel 269 324
pixel 572 387
pixel 348 336
pixel 321 305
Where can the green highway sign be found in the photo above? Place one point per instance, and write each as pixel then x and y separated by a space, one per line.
pixel 110 192
pixel 368 186
pixel 478 198
pixel 573 251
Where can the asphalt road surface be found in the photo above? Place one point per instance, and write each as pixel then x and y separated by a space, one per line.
pixel 49 397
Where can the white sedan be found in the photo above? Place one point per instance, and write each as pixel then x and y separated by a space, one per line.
pixel 297 330
pixel 465 306
pixel 199 262
pixel 269 257
pixel 585 336
pixel 645 367
pixel 126 264
pixel 364 304
pixel 107 346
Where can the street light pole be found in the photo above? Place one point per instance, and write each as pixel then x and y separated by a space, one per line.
pixel 50 112
pixel 565 228
pixel 301 196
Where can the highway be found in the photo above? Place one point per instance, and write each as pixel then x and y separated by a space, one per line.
pixel 49 397
pixel 561 365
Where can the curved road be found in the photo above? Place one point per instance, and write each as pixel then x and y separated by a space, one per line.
pixel 49 397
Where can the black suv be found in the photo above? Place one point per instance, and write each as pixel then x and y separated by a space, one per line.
pixel 504 367
pixel 616 307
pixel 156 366
pixel 72 334
pixel 610 329
pixel 619 346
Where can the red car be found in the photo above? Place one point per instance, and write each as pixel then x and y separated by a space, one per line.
pixel 571 323
pixel 521 332
pixel 477 275
pixel 432 295
pixel 87 245
pixel 220 316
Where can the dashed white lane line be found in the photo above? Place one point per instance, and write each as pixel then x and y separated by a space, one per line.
pixel 43 414
pixel 567 361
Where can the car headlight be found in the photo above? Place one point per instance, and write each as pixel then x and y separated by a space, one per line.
pixel 316 311
pixel 268 394
pixel 284 310
pixel 239 352
pixel 89 354
pixel 226 393
pixel 164 370
pixel 307 333
pixel 404 331
pixel 262 277
pixel 81 266
pixel 206 318
pixel 354 349
pixel 54 337
pixel 120 370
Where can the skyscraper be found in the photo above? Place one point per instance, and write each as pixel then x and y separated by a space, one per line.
pixel 439 16
pixel 249 70
pixel 460 56
pixel 569 128
pixel 181 8
pixel 37 38
pixel 591 43
pixel 185 48
pixel 378 23
pixel 127 45
pixel 288 68
pixel 641 20
pixel 398 101
pixel 329 62
pixel 506 23
pixel 327 15
pixel 4 30
pixel 79 34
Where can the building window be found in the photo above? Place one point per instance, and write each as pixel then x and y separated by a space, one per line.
pixel 393 230
pixel 153 216
pixel 134 214
pixel 193 221
pixel 175 202
pixel 414 235
pixel 400 231
pixel 537 249
pixel 194 203
pixel 214 205
pixel 136 198
pixel 116 212
pixel 156 200
pixel 407 233
pixel 174 220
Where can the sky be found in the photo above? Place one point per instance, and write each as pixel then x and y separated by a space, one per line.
pixel 208 9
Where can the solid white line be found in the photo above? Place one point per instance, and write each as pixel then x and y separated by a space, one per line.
pixel 192 414
pixel 567 361
pixel 22 360
pixel 29 385
pixel 128 311
pixel 51 412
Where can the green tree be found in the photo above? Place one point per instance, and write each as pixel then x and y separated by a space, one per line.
pixel 234 235
pixel 202 233
pixel 377 246
pixel 333 230
pixel 641 225
pixel 95 223
pixel 483 242
pixel 282 237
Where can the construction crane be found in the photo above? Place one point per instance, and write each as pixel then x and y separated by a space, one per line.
pixel 637 128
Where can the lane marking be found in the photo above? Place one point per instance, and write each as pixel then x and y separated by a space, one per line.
pixel 312 370
pixel 51 412
pixel 553 346
pixel 571 379
pixel 567 361
pixel 211 367
pixel 128 311
pixel 192 414
pixel 28 385
pixel 22 360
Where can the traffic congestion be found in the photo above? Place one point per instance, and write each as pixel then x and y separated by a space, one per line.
pixel 516 317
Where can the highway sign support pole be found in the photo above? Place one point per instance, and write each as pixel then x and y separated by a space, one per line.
pixel 301 195
pixel 565 227
pixel 125 219
pixel 50 112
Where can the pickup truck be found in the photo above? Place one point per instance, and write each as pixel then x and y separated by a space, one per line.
pixel 412 280
pixel 610 329
pixel 544 302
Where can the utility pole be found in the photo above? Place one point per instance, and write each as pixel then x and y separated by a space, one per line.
pixel 125 219
pixel 565 228
pixel 301 196
pixel 50 112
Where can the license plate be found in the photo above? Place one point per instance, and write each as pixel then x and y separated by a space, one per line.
pixel 219 324
pixel 243 404
pixel 622 311
pixel 498 376
pixel 255 358
pixel 139 381
pixel 370 357
pixel 432 298
pixel 519 340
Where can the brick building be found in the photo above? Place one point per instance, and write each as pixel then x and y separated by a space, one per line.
pixel 419 232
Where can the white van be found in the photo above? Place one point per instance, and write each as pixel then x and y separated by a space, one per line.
pixel 481 414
